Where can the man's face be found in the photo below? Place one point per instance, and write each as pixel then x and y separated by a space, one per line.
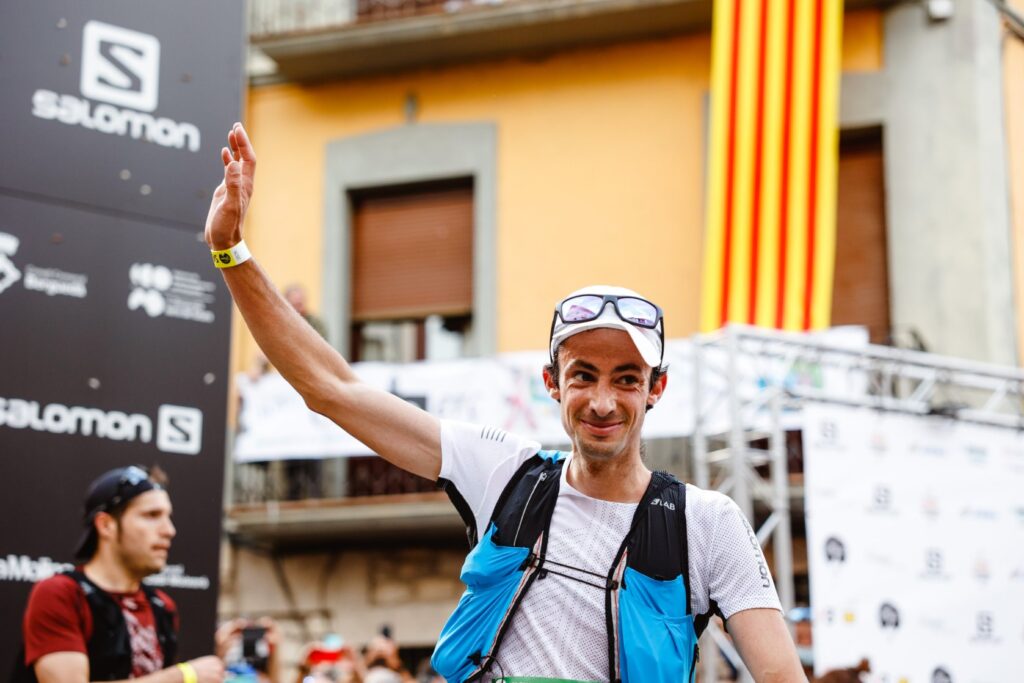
pixel 144 535
pixel 604 389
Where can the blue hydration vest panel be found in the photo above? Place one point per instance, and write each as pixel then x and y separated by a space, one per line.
pixel 652 634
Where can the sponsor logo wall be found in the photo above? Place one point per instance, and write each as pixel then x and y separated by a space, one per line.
pixel 914 546
pixel 115 328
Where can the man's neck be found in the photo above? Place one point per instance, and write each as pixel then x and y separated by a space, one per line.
pixel 111 575
pixel 619 480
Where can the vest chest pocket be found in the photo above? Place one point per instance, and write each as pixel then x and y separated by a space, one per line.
pixel 656 636
pixel 492 574
pixel 489 563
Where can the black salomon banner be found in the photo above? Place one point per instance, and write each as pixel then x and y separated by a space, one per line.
pixel 114 326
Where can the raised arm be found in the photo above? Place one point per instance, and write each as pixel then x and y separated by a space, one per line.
pixel 398 431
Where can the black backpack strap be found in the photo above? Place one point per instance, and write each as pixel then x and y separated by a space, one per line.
pixel 462 507
pixel 684 548
pixel 163 619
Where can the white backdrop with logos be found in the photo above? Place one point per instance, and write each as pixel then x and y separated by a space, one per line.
pixel 915 537
pixel 507 391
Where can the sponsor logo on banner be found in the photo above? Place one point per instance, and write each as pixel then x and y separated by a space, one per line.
pixel 888 616
pixel 26 569
pixel 53 282
pixel 827 436
pixel 982 569
pixel 985 628
pixel 162 291
pixel 9 273
pixel 29 569
pixel 174 576
pixel 977 454
pixel 934 564
pixel 835 550
pixel 119 85
pixel 979 513
pixel 930 450
pixel 881 500
pixel 834 615
pixel 930 506
pixel 49 281
pixel 179 428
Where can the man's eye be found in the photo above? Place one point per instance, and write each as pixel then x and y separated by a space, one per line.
pixel 583 376
pixel 629 379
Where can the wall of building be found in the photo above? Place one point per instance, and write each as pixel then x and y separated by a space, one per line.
pixel 946 175
pixel 600 158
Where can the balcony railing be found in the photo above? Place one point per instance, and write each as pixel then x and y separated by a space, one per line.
pixel 277 18
pixel 327 479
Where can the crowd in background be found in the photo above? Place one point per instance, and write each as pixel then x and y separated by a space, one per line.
pixel 252 652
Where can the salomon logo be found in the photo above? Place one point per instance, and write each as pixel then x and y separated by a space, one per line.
pixel 179 428
pixel 667 504
pixel 120 68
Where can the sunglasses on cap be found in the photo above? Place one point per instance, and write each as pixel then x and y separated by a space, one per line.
pixel 583 308
pixel 133 481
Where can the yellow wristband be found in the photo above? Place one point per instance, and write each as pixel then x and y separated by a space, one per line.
pixel 229 258
pixel 188 673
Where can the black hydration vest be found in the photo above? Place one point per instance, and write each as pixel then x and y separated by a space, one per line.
pixel 110 648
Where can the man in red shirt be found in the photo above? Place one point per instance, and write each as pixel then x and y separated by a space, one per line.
pixel 99 622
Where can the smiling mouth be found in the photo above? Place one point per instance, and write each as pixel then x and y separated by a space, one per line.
pixel 601 429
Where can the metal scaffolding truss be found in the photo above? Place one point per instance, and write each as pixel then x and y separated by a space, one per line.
pixel 749 386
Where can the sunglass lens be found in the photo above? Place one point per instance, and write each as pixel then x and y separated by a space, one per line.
pixel 581 308
pixel 134 475
pixel 638 311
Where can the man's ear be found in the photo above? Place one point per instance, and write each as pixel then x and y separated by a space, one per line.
pixel 551 382
pixel 657 391
pixel 106 525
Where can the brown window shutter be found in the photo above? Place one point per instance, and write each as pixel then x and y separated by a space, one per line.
pixel 413 251
pixel 861 292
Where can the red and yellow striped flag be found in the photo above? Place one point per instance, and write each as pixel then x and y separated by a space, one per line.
pixel 771 209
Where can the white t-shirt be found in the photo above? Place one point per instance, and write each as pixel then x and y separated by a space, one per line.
pixel 559 630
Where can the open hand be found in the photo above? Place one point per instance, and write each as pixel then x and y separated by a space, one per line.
pixel 231 198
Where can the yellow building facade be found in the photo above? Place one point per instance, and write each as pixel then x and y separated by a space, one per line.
pixel 600 168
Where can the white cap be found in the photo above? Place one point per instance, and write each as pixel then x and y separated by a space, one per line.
pixel 646 340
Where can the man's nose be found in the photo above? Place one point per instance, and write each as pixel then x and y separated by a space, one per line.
pixel 602 401
pixel 169 529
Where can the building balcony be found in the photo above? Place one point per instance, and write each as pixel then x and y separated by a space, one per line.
pixel 312 40
pixel 310 503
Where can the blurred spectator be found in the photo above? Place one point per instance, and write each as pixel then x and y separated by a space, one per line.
pixel 382 662
pixel 425 673
pixel 330 661
pixel 250 649
pixel 295 294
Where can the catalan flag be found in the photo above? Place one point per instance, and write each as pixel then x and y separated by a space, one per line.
pixel 769 250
